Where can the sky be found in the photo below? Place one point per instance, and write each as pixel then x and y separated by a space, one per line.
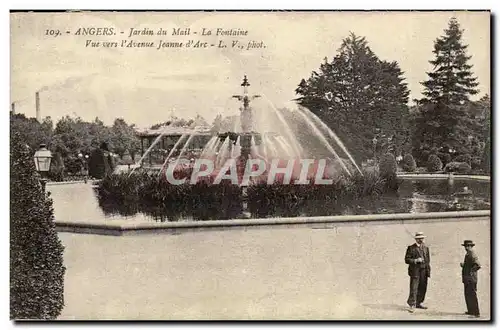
pixel 145 85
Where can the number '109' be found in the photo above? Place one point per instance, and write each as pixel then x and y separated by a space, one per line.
pixel 54 33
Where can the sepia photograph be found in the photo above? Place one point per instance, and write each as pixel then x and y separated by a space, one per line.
pixel 250 165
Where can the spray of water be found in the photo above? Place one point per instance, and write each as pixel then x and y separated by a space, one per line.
pixel 209 148
pixel 332 134
pixel 289 134
pixel 263 146
pixel 272 147
pixel 231 152
pixel 172 151
pixel 149 149
pixel 221 157
pixel 185 145
pixel 183 149
pixel 285 146
pixel 325 141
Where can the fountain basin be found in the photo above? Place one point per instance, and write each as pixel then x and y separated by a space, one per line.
pixel 118 229
pixel 78 203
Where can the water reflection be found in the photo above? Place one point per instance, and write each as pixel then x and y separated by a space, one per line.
pixel 79 202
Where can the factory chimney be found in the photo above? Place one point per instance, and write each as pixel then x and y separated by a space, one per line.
pixel 13 108
pixel 37 105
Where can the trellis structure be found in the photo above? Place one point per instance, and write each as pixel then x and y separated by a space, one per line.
pixel 170 136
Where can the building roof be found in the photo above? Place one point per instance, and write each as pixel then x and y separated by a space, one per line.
pixel 174 131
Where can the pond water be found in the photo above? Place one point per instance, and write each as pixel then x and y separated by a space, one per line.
pixel 78 202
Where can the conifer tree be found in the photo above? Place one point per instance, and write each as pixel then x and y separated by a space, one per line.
pixel 442 120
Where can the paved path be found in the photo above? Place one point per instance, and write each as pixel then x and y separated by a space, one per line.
pixel 350 272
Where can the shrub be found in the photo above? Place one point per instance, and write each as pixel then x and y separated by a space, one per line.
pixel 445 157
pixel 97 169
pixel 56 172
pixel 476 163
pixel 36 253
pixel 409 164
pixel 464 158
pixel 388 165
pixel 457 167
pixel 388 168
pixel 143 191
pixel 424 157
pixel 152 194
pixel 73 164
pixel 434 164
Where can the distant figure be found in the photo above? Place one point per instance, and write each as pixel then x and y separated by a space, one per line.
pixel 470 266
pixel 418 259
pixel 101 162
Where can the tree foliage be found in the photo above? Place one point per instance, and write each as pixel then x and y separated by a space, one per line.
pixel 443 120
pixel 357 93
pixel 388 168
pixel 73 136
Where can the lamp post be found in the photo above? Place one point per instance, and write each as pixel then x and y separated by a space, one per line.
pixel 42 159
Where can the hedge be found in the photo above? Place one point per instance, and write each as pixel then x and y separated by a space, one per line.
pixel 36 253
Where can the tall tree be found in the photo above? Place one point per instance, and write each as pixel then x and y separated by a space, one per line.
pixel 123 138
pixel 443 121
pixel 359 96
pixel 33 133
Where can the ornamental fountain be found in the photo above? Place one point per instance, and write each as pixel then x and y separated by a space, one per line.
pixel 247 138
pixel 264 132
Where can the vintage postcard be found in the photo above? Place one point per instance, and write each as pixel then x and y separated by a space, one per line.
pixel 261 165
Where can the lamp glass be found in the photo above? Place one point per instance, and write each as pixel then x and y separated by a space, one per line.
pixel 43 158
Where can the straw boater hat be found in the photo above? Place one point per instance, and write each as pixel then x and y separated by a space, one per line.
pixel 419 234
pixel 468 242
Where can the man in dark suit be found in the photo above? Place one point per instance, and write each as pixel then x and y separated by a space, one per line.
pixel 470 266
pixel 418 259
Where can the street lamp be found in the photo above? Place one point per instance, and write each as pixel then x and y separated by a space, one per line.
pixel 42 158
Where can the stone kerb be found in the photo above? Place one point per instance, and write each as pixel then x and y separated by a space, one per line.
pixel 311 222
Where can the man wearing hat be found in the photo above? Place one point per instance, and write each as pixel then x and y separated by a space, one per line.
pixel 418 259
pixel 470 266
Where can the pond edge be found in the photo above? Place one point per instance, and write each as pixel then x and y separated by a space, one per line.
pixel 324 222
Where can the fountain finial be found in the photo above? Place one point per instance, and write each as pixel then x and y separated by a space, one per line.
pixel 245 81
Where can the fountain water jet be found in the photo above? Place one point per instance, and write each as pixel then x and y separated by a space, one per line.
pixel 261 134
pixel 295 144
pixel 171 152
pixel 325 141
pixel 308 113
pixel 148 150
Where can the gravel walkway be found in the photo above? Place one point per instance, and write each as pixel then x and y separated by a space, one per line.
pixel 350 272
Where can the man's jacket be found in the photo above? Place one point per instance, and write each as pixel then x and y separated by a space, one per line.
pixel 470 268
pixel 412 253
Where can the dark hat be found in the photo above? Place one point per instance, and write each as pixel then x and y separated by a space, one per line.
pixel 468 242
